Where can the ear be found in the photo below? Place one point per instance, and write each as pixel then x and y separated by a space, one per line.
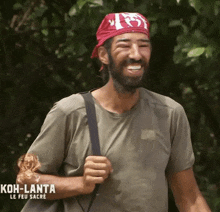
pixel 103 55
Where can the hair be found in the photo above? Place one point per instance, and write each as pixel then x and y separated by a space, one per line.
pixel 104 72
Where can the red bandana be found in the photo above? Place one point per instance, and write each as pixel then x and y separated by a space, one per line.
pixel 118 23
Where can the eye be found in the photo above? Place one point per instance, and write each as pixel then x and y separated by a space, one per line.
pixel 124 46
pixel 145 45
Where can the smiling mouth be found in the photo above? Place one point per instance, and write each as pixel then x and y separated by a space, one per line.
pixel 134 68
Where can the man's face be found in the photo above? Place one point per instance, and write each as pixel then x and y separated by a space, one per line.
pixel 129 61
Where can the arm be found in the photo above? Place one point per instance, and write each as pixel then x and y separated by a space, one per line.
pixel 96 170
pixel 186 193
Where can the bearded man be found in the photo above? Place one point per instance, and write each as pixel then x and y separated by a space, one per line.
pixel 144 137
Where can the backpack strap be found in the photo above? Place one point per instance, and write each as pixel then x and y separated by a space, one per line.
pixel 94 137
pixel 92 122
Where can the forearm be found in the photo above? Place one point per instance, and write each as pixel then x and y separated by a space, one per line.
pixel 198 205
pixel 186 192
pixel 64 186
pixel 96 170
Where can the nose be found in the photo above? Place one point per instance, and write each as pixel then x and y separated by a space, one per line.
pixel 135 52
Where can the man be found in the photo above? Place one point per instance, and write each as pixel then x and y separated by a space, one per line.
pixel 144 136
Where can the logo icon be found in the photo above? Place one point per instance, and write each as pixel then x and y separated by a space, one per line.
pixel 128 18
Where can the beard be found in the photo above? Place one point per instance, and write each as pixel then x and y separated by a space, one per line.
pixel 122 83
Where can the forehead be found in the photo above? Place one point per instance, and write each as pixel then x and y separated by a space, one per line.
pixel 131 36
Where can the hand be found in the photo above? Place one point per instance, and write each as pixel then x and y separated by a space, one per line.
pixel 96 170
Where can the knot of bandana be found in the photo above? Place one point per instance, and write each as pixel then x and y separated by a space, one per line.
pixel 118 23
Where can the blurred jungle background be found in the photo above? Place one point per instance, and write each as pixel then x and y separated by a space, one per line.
pixel 45 48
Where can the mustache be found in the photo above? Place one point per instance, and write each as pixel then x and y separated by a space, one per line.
pixel 131 61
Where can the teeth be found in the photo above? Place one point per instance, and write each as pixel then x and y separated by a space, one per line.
pixel 134 67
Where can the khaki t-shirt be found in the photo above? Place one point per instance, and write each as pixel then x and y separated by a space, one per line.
pixel 144 145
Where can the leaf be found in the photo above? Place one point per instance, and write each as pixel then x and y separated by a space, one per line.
pixel 81 3
pixel 175 23
pixel 154 29
pixel 82 49
pixel 193 20
pixel 17 6
pixel 40 11
pixel 196 4
pixel 130 1
pixel 216 7
pixel 209 51
pixel 196 52
pixel 45 32
pixel 217 202
pixel 72 10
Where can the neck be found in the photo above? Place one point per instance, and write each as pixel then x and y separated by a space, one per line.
pixel 112 100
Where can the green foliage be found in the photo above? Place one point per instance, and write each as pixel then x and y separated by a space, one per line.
pixel 45 49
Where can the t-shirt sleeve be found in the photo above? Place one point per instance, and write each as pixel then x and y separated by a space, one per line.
pixel 182 156
pixel 49 146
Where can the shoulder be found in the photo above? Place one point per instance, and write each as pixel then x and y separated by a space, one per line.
pixel 158 100
pixel 70 104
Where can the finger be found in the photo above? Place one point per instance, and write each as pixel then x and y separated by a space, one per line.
pixel 99 159
pixel 98 166
pixel 96 173
pixel 93 180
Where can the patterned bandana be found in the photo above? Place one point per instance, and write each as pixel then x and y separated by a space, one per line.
pixel 118 23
